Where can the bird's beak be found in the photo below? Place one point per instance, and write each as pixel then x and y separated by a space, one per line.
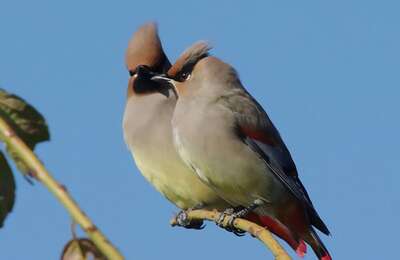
pixel 164 79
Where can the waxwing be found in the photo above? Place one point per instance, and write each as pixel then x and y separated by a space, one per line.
pixel 147 126
pixel 226 137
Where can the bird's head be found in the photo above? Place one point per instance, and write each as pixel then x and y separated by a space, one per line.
pixel 144 59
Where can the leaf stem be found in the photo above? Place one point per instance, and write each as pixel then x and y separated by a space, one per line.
pixel 41 174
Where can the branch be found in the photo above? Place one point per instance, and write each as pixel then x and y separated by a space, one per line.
pixel 255 230
pixel 41 174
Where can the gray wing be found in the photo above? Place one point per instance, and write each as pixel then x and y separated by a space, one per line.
pixel 256 130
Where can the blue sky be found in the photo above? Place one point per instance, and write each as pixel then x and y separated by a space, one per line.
pixel 327 72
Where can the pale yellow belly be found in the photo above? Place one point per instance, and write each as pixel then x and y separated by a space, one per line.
pixel 177 183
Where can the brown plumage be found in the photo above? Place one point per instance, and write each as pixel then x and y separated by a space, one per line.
pixel 145 48
pixel 189 58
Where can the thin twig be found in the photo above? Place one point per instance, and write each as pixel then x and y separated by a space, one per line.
pixel 257 231
pixel 59 191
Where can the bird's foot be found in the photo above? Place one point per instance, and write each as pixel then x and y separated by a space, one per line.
pixel 234 213
pixel 183 221
pixel 229 226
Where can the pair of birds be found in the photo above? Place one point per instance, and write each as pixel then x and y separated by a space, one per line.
pixel 203 141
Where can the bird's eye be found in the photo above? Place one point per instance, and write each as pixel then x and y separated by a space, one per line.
pixel 185 76
pixel 132 72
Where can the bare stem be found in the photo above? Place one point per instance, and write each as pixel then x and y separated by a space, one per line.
pixel 41 174
pixel 257 231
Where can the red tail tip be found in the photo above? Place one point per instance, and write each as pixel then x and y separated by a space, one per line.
pixel 301 249
pixel 326 257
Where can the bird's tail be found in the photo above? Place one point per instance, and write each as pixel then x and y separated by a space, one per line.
pixel 281 231
pixel 318 247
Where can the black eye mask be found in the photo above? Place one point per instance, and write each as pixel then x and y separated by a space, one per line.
pixel 143 83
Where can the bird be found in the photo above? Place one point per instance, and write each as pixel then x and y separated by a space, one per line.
pixel 147 128
pixel 227 138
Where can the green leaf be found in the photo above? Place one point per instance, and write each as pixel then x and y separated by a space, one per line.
pixel 7 189
pixel 81 249
pixel 26 121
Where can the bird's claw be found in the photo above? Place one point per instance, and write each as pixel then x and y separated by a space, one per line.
pixel 183 221
pixel 229 226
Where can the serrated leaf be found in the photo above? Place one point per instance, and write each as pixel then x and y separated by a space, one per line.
pixel 81 249
pixel 7 189
pixel 23 118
